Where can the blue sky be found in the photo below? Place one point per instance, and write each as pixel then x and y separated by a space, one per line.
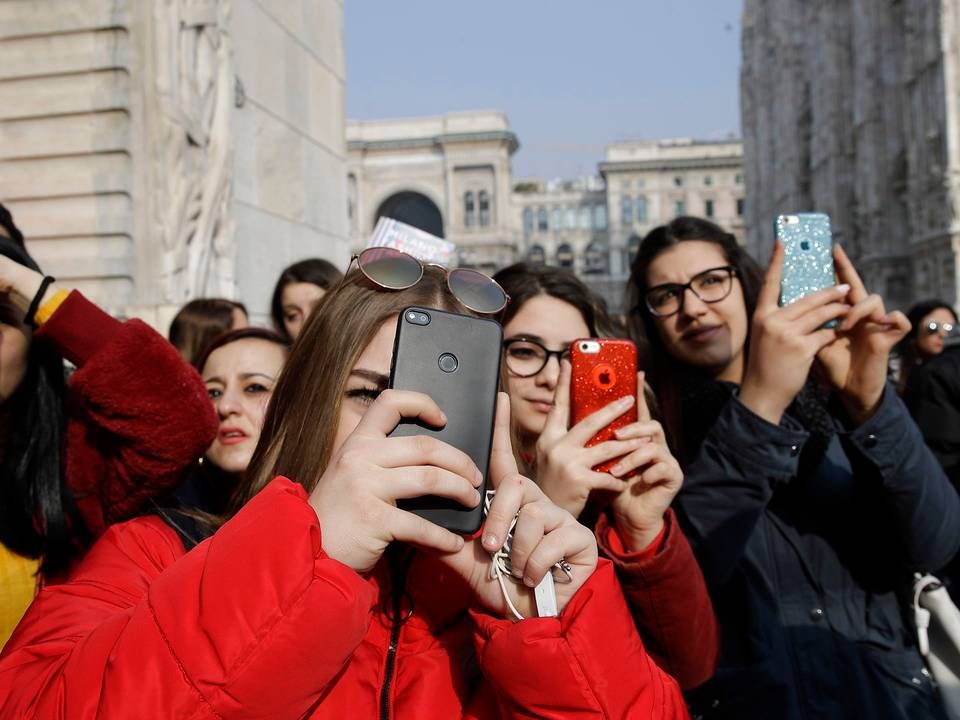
pixel 571 76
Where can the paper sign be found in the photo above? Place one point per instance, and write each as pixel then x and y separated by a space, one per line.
pixel 413 241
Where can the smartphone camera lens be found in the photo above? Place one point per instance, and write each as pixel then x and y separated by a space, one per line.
pixel 448 363
pixel 418 318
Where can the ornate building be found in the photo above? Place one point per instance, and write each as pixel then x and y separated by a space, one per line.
pixel 157 151
pixel 853 108
pixel 450 175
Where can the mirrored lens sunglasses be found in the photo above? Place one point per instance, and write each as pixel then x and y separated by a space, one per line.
pixel 394 269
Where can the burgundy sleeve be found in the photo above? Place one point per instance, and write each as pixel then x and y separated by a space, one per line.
pixel 139 415
pixel 257 621
pixel 669 602
pixel 588 663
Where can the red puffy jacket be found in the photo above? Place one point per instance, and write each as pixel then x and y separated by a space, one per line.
pixel 259 622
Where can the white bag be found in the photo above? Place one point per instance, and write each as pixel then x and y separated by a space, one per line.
pixel 938 635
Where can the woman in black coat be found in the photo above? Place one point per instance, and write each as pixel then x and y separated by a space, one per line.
pixel 810 497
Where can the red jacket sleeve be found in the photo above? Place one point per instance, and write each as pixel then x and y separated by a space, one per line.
pixel 254 622
pixel 588 663
pixel 139 415
pixel 668 598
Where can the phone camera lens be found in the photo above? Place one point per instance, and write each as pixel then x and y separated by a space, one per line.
pixel 448 363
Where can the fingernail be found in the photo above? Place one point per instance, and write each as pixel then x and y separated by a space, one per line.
pixel 844 288
pixel 491 541
pixel 625 401
pixel 616 470
pixel 516 573
pixel 476 498
pixel 528 581
pixel 460 542
pixel 478 479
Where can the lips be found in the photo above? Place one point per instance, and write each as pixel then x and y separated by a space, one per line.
pixel 702 334
pixel 541 405
pixel 231 436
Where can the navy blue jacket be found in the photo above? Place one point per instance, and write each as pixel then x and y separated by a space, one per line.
pixel 805 568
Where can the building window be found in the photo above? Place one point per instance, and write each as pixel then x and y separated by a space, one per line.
pixel 708 180
pixel 542 219
pixel 571 218
pixel 565 256
pixel 556 218
pixel 527 220
pixel 739 207
pixel 641 209
pixel 626 210
pixel 585 217
pixel 633 246
pixel 536 255
pixel 469 210
pixel 678 181
pixel 595 259
pixel 738 179
pixel 484 202
pixel 599 217
pixel 708 208
pixel 679 208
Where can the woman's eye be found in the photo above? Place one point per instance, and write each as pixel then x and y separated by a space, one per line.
pixel 711 280
pixel 214 393
pixel 364 395
pixel 291 317
pixel 256 388
pixel 522 353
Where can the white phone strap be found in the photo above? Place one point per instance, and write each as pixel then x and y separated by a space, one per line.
pixel 544 593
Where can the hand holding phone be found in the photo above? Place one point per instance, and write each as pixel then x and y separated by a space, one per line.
pixel 455 359
pixel 785 340
pixel 604 371
pixel 808 260
pixel 565 461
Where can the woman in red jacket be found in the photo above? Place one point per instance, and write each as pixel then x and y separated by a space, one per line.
pixel 319 597
pixel 75 458
pixel 629 507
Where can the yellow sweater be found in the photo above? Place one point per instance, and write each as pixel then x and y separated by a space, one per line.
pixel 18 585
pixel 18 575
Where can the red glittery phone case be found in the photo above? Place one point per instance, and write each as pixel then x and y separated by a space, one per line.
pixel 604 370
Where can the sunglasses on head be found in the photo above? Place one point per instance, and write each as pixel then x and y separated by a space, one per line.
pixel 394 269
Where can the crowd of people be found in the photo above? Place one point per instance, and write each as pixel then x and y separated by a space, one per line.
pixel 208 525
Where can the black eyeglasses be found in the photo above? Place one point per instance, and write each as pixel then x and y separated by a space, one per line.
pixel 394 269
pixel 526 358
pixel 710 286
pixel 933 327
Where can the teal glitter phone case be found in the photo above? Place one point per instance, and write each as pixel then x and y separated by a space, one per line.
pixel 808 259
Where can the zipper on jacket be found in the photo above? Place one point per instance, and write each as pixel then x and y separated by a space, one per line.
pixel 398 575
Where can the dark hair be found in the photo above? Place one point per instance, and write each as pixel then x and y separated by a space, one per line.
pixel 10 227
pixel 523 281
pixel 232 336
pixel 38 517
pixel 660 365
pixel 198 322
pixel 315 271
pixel 907 347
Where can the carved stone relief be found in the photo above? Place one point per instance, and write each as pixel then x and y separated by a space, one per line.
pixel 192 156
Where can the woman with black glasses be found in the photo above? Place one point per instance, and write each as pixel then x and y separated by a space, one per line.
pixel 628 507
pixel 809 495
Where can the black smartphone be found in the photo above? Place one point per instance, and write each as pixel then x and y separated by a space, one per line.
pixel 455 359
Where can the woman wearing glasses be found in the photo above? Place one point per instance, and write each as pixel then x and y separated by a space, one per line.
pixel 318 597
pixel 809 495
pixel 629 507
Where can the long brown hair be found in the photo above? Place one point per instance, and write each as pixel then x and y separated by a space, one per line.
pixel 304 412
pixel 199 322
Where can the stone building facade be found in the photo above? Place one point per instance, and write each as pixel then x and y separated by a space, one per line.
pixel 852 108
pixel 157 151
pixel 448 174
pixel 451 175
